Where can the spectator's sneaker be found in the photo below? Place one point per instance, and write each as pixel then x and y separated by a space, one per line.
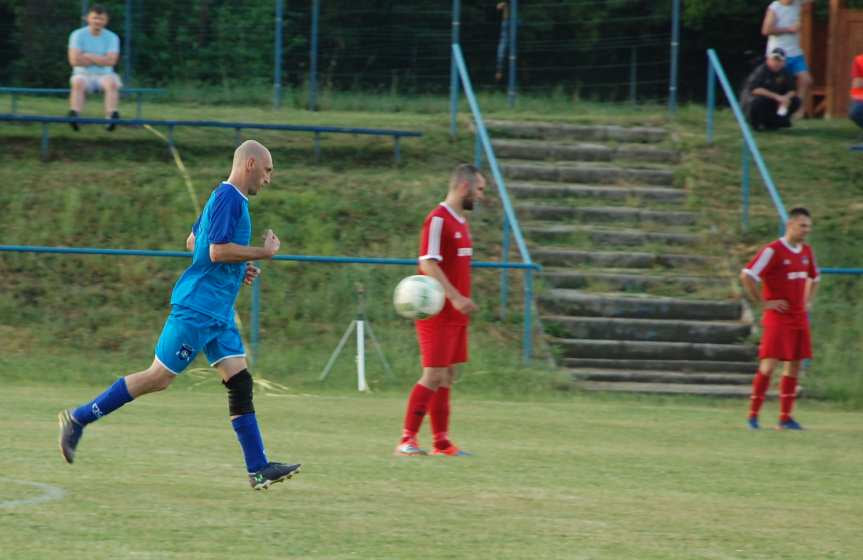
pixel 271 474
pixel 752 422
pixel 790 424
pixel 111 126
pixel 451 451
pixel 73 115
pixel 409 448
pixel 70 433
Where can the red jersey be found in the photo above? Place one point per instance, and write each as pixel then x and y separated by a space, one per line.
pixel 446 239
pixel 784 270
pixel 857 72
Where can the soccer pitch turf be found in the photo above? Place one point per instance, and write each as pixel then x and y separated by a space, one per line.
pixel 570 477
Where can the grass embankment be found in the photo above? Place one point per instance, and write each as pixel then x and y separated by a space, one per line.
pixel 122 190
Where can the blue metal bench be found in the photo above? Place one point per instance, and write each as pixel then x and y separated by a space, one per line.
pixel 237 126
pixel 14 92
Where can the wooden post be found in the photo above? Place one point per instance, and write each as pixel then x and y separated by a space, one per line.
pixel 834 44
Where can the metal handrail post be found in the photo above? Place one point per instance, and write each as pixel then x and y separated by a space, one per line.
pixel 675 43
pixel 313 57
pixel 746 159
pixel 127 45
pixel 504 277
pixel 711 99
pixel 513 52
pixel 527 342
pixel 453 73
pixel 277 63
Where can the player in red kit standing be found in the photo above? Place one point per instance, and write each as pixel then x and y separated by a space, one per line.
pixel 445 254
pixel 786 268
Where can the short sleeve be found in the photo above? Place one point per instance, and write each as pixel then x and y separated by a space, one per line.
pixel 857 68
pixel 225 213
pixel 760 264
pixel 75 40
pixel 431 237
pixel 113 44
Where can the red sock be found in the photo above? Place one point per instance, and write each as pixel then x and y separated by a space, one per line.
pixel 439 412
pixel 760 383
pixel 418 403
pixel 787 394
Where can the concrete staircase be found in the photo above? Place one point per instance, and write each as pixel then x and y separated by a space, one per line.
pixel 634 299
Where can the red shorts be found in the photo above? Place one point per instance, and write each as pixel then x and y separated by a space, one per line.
pixel 442 344
pixel 786 343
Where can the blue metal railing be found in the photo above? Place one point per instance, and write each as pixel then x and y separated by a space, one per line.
pixel 14 92
pixel 750 151
pixel 510 222
pixel 254 320
pixel 750 147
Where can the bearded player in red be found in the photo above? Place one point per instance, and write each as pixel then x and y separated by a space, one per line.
pixel 786 268
pixel 445 254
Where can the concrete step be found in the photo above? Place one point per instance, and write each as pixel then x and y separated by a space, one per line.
pixel 581 151
pixel 607 214
pixel 628 280
pixel 586 173
pixel 521 189
pixel 637 350
pixel 650 330
pixel 584 304
pixel 580 132
pixel 650 376
pixel 604 236
pixel 731 391
pixel 690 366
pixel 555 256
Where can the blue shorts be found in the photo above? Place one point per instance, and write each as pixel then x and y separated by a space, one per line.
pixel 187 331
pixel 796 64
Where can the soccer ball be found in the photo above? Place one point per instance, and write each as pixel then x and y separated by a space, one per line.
pixel 418 297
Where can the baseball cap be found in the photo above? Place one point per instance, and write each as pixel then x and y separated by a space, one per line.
pixel 778 53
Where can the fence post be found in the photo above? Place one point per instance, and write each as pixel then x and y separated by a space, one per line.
pixel 633 73
pixel 277 70
pixel 127 46
pixel 254 322
pixel 746 158
pixel 513 34
pixel 313 57
pixel 527 344
pixel 504 273
pixel 711 99
pixel 453 72
pixel 675 41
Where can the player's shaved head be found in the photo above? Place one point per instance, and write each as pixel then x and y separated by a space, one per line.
pixel 464 173
pixel 250 149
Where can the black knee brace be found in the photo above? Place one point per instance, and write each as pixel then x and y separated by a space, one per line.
pixel 240 393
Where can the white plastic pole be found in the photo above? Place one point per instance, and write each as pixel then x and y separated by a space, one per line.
pixel 361 357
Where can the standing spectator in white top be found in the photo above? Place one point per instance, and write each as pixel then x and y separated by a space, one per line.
pixel 93 52
pixel 781 26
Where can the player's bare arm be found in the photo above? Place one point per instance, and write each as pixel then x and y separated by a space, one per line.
pixel 462 304
pixel 750 286
pixel 811 289
pixel 235 253
pixel 190 242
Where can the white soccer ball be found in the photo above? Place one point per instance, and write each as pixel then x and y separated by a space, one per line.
pixel 418 297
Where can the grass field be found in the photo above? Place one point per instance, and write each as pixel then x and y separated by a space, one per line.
pixel 566 477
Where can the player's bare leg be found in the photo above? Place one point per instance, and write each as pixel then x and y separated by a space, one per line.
pixel 238 381
pixel 787 396
pixel 112 95
pixel 122 391
pixel 760 384
pixel 77 94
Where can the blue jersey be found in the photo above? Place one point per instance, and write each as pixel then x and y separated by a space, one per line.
pixel 208 287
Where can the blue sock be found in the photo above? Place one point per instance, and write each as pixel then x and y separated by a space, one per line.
pixel 246 427
pixel 113 398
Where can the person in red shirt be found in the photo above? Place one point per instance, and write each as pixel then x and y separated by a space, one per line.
pixel 445 254
pixel 789 277
pixel 856 113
